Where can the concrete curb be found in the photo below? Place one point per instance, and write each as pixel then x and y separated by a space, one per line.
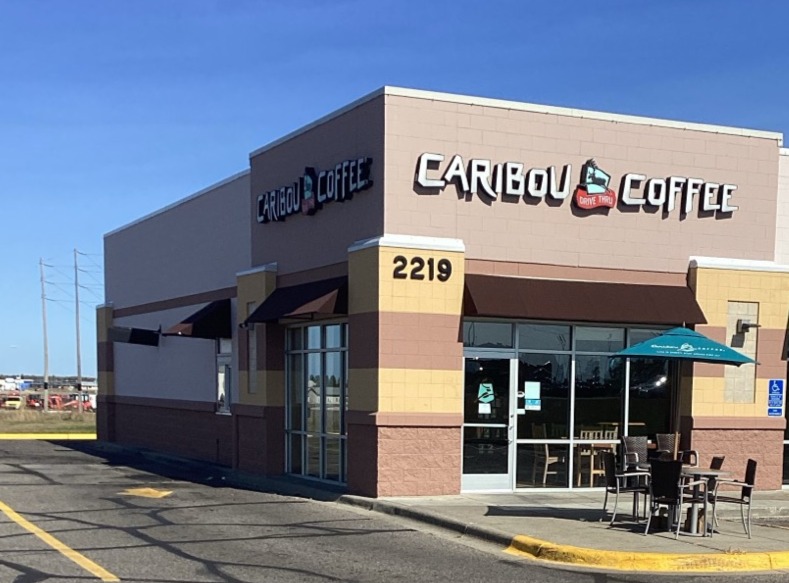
pixel 651 562
pixel 487 534
pixel 586 557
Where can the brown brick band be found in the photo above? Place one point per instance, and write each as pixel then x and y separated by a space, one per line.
pixel 190 300
pixel 405 340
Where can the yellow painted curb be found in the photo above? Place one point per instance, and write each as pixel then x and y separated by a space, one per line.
pixel 52 436
pixel 638 561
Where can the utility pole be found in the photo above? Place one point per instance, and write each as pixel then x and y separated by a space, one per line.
pixel 46 344
pixel 79 358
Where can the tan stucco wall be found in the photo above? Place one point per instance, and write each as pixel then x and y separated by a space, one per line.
pixel 782 210
pixel 716 291
pixel 306 242
pixel 543 233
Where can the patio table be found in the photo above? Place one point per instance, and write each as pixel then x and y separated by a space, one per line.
pixel 698 474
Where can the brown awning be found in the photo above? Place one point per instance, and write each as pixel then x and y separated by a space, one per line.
pixel 304 301
pixel 581 301
pixel 212 321
pixel 133 336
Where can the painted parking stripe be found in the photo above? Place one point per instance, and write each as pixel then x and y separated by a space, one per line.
pixel 48 436
pixel 67 551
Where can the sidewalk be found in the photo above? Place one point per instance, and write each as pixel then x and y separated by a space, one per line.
pixel 570 528
pixel 566 528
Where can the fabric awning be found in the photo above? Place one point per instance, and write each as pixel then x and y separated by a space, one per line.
pixel 582 301
pixel 139 336
pixel 304 301
pixel 211 321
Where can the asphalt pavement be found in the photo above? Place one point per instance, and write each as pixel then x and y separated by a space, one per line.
pixel 567 528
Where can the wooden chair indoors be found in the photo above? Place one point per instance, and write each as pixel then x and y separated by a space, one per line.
pixel 588 462
pixel 546 462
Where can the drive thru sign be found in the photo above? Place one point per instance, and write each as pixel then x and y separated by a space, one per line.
pixel 775 398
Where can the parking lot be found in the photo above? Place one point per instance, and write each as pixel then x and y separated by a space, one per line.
pixel 69 516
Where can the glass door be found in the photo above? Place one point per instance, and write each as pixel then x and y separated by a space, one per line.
pixel 488 424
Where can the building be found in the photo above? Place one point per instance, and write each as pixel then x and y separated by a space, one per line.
pixel 419 294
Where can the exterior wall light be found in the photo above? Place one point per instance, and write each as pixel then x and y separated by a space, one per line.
pixel 743 326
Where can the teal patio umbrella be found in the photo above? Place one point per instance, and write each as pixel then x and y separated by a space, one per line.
pixel 685 344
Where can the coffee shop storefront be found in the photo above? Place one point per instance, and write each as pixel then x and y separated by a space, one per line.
pixel 427 289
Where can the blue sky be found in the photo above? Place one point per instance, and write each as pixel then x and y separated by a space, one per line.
pixel 110 110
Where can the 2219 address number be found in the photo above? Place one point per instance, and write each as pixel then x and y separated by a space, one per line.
pixel 440 269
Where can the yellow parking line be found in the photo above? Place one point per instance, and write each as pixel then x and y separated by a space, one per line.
pixel 78 558
pixel 48 436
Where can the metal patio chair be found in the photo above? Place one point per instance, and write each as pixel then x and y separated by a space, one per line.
pixel 622 483
pixel 634 451
pixel 743 500
pixel 666 488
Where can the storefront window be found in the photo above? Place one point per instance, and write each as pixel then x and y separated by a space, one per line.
pixel 544 395
pixel 651 389
pixel 599 389
pixel 487 335
pixel 224 358
pixel 317 367
pixel 599 339
pixel 650 397
pixel 543 337
pixel 570 403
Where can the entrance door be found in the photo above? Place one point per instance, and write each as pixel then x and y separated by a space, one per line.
pixel 488 424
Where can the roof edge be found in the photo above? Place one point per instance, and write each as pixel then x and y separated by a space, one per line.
pixel 738 264
pixel 328 117
pixel 581 113
pixel 179 202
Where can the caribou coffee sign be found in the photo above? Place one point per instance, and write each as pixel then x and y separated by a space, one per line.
pixel 510 180
pixel 309 193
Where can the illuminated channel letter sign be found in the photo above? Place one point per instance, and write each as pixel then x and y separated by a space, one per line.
pixel 308 194
pixel 506 180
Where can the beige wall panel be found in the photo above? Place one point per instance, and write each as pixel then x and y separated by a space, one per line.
pixel 421 391
pixel 420 296
pixel 363 389
pixel 541 233
pixel 363 292
pixel 254 287
pixel 176 252
pixel 304 242
pixel 273 388
pixel 782 218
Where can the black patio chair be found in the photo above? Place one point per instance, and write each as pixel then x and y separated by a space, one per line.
pixel 668 449
pixel 666 488
pixel 622 483
pixel 634 451
pixel 667 445
pixel 743 500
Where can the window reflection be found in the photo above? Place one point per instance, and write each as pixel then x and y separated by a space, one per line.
pixel 543 337
pixel 651 386
pixel 599 339
pixel 487 334
pixel 544 378
pixel 599 384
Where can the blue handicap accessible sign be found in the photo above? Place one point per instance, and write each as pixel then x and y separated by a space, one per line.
pixel 775 397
